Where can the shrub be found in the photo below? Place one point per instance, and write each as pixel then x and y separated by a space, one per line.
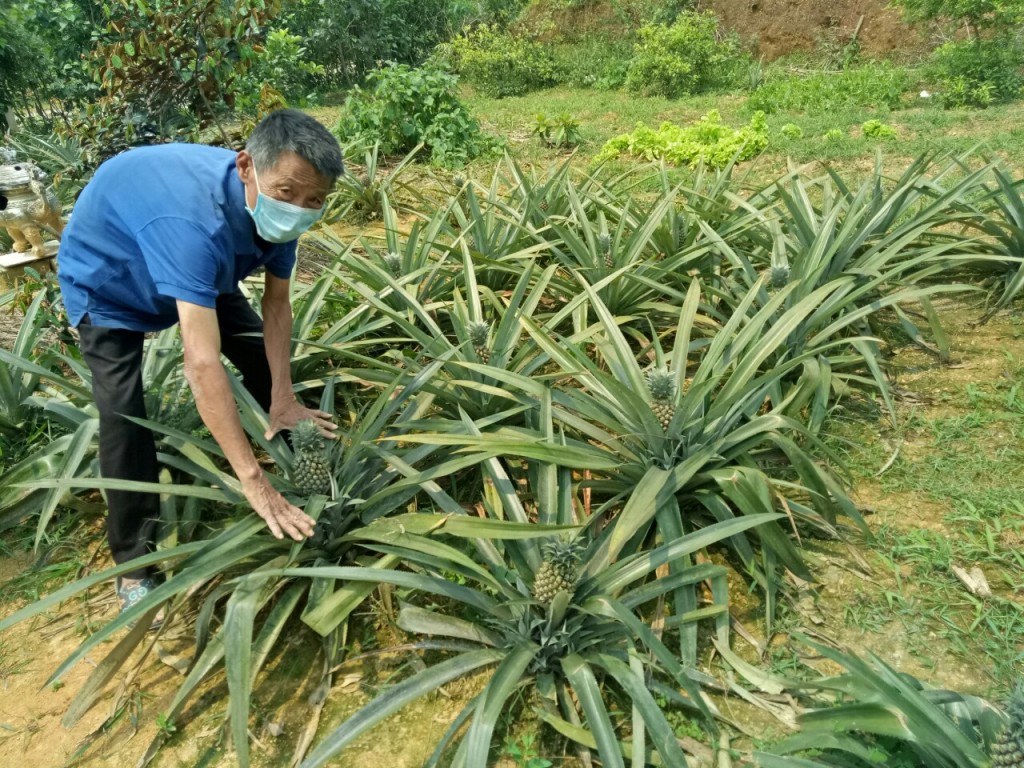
pixel 687 57
pixel 403 106
pixel 499 64
pixel 876 129
pixel 873 85
pixel 594 62
pixel 707 141
pixel 976 72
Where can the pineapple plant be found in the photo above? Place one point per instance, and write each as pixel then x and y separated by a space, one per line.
pixel 311 468
pixel 604 242
pixel 663 392
pixel 478 333
pixel 559 570
pixel 1008 751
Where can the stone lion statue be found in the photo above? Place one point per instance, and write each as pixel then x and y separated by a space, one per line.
pixel 27 207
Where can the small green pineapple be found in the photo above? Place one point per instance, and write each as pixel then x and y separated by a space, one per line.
pixel 478 337
pixel 183 417
pixel 393 261
pixel 311 471
pixel 559 570
pixel 663 394
pixel 604 243
pixel 1008 751
pixel 778 277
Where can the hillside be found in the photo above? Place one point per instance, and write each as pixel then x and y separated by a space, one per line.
pixel 771 28
pixel 778 27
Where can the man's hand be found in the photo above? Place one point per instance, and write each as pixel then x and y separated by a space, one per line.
pixel 286 414
pixel 281 517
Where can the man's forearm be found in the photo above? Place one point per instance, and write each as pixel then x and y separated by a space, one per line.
pixel 216 405
pixel 277 337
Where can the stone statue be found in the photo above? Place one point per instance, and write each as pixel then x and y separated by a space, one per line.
pixel 27 207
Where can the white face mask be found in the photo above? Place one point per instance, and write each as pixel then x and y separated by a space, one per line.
pixel 280 222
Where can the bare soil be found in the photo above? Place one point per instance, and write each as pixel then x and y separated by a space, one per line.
pixel 777 28
pixel 769 28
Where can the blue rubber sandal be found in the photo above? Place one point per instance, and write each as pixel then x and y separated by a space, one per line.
pixel 132 595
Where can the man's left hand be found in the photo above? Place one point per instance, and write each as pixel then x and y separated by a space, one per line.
pixel 289 413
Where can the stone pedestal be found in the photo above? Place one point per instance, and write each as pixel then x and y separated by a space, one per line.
pixel 12 265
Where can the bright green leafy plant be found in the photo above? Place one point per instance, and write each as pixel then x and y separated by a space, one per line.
pixel 791 131
pixel 707 142
pixel 876 129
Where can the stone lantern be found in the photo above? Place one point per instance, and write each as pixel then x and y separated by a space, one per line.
pixel 28 211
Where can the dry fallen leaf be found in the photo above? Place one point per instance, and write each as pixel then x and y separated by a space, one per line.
pixel 974 580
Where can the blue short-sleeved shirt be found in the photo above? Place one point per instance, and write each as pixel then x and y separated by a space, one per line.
pixel 158 224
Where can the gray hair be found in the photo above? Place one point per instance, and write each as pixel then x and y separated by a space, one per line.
pixel 289 130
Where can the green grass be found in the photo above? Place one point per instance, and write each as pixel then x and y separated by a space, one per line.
pixel 602 114
pixel 605 114
pixel 60 559
pixel 961 458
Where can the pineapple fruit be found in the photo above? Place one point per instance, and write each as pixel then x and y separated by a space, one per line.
pixel 559 570
pixel 663 394
pixel 778 277
pixel 1008 751
pixel 393 262
pixel 604 242
pixel 311 468
pixel 478 335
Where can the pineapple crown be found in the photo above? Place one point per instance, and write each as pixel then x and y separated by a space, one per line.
pixel 1015 712
pixel 779 275
pixel 563 552
pixel 661 384
pixel 478 332
pixel 604 242
pixel 393 261
pixel 306 436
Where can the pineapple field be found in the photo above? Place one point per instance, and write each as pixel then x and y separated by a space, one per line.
pixel 598 463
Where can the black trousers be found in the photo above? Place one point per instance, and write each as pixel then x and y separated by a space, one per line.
pixel 127 450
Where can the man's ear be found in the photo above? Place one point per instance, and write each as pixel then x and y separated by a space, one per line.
pixel 243 162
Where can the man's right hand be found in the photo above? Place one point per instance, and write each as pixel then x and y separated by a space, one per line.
pixel 281 517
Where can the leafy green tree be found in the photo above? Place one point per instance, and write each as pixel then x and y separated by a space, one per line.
pixel 350 38
pixel 42 48
pixel 17 60
pixel 168 69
